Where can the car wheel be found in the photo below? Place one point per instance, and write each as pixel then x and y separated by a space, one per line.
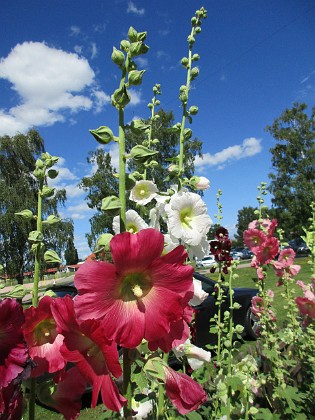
pixel 251 325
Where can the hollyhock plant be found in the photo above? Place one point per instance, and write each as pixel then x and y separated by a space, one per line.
pixel 96 357
pixel 267 251
pixel 187 217
pixel 143 192
pixel 253 239
pixel 134 223
pixel 42 338
pixel 142 287
pixel 13 351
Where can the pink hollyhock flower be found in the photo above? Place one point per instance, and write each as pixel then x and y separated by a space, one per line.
pixel 13 351
pixel 64 396
pixel 269 226
pixel 306 306
pixel 260 273
pixel 186 394
pixel 96 357
pixel 253 239
pixel 143 288
pixel 267 251
pixel 42 338
pixel 257 305
pixel 286 257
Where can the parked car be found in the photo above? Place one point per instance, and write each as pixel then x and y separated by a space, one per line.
pixel 247 254
pixel 206 262
pixel 205 311
pixel 236 255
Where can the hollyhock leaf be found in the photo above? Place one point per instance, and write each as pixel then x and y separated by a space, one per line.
pixel 111 204
pixel 18 292
pixel 51 257
pixel 25 214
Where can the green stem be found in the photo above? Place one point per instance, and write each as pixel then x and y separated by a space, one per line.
pixel 161 391
pixel 122 171
pixel 127 390
pixel 230 344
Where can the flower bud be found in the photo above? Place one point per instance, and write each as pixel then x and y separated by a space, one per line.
pixel 135 77
pixel 185 61
pixel 193 110
pixel 118 57
pixel 199 183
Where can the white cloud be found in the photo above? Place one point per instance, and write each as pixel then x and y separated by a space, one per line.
pixel 74 30
pixel 48 83
pixel 94 50
pixel 250 147
pixel 101 99
pixel 141 61
pixel 307 77
pixel 136 96
pixel 132 8
pixel 81 245
pixel 114 153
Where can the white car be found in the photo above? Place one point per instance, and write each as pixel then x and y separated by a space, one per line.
pixel 206 262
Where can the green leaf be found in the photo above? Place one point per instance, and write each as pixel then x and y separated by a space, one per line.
pixel 103 135
pixel 141 153
pixel 25 214
pixel 52 220
pixel 52 173
pixel 47 191
pixel 18 292
pixel 111 204
pixel 35 237
pixel 51 257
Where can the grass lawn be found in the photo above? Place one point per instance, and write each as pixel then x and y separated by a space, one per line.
pixel 247 278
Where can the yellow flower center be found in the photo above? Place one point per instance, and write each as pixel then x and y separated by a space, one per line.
pixel 185 217
pixel 45 332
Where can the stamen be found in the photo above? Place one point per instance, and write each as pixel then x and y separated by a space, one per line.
pixel 142 192
pixel 137 291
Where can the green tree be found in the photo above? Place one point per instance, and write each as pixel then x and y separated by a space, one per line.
pixel 18 191
pixel 293 176
pixel 244 217
pixel 71 253
pixel 101 184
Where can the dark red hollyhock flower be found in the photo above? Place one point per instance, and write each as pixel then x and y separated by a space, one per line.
pixel 11 401
pixel 13 351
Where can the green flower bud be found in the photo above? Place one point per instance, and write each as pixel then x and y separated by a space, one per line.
pixel 47 191
pixel 156 141
pixel 137 48
pixel 141 36
pixel 35 237
pixel 139 126
pixel 52 220
pixel 25 214
pixel 198 29
pixel 52 173
pixel 102 243
pixel 135 77
pixel 141 153
pixel 132 34
pixel 118 57
pixel 39 173
pixel 185 61
pixel 193 110
pixel 190 39
pixel 103 134
pixel 125 45
pixel 121 97
pixel 39 164
pixel 195 57
pixel 194 73
pixel 111 204
pixel 187 134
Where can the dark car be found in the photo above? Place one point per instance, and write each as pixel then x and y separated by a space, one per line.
pixel 206 310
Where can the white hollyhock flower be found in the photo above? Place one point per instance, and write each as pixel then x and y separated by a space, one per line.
pixel 196 356
pixel 170 242
pixel 188 218
pixel 134 222
pixel 199 294
pixel 199 251
pixel 143 192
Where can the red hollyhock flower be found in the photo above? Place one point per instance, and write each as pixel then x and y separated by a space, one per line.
pixel 141 294
pixel 44 343
pixel 96 357
pixel 267 251
pixel 13 352
pixel 186 394
pixel 64 396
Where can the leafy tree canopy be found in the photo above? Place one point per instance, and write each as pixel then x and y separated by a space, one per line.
pixel 293 178
pixel 244 217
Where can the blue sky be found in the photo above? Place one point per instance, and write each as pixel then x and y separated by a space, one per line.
pixel 257 58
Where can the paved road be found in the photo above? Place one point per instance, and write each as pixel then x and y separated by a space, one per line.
pixel 42 284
